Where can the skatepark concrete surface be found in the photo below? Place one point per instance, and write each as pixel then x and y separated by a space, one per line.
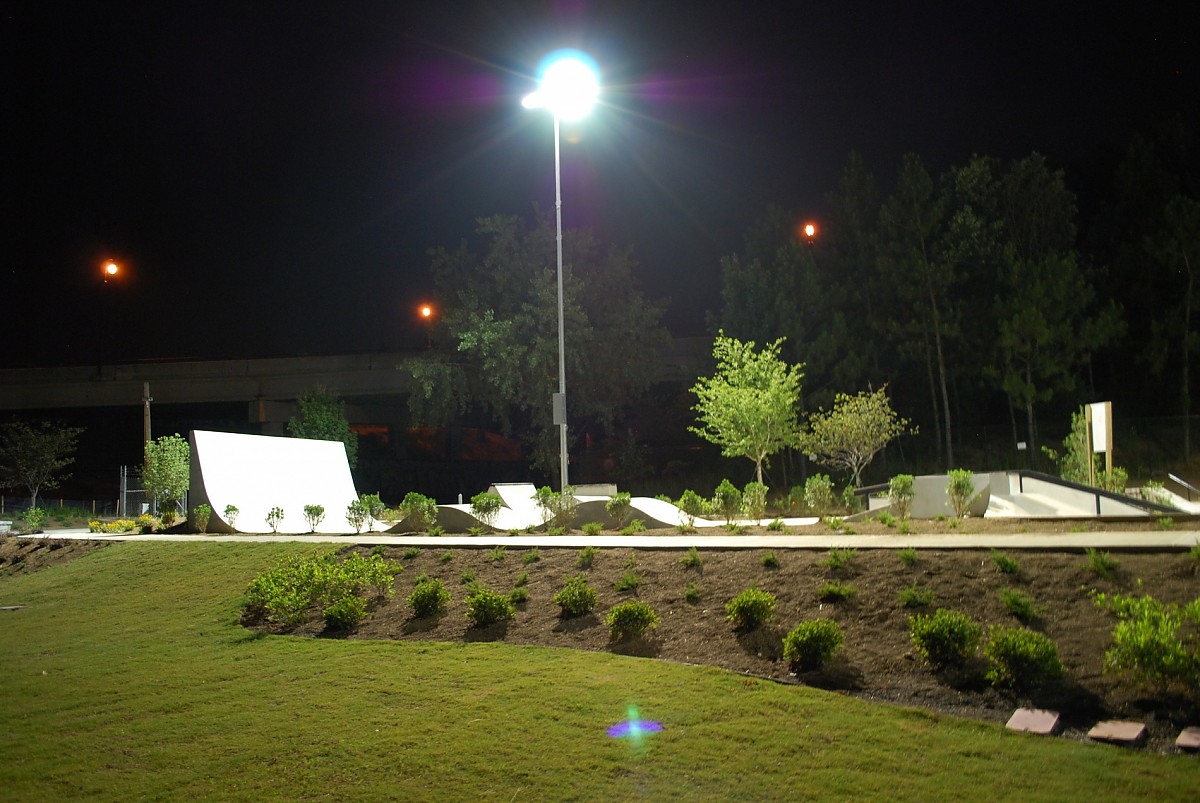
pixel 1138 541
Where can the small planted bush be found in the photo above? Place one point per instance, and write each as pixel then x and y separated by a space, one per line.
pixel 587 556
pixel 557 508
pixel 485 506
pixel 284 595
pixel 886 518
pixel 356 514
pixel 274 518
pixel 634 527
pixel 1101 563
pixel 900 494
pixel 345 613
pixel 727 500
pixel 627 620
pixel 750 609
pixel 231 514
pixel 593 528
pixel 420 510
pixel 777 526
pixel 1019 604
pixel 1004 563
pixel 908 556
pixel 839 558
pixel 374 507
pixel 812 643
pixel 1152 641
pixel 201 513
pixel 576 597
pixel 411 552
pixel 429 597
pixel 960 490
pixel 836 591
pixel 1020 658
pixel 818 494
pixel 532 556
pixel 497 553
pixel 754 500
pixel 769 561
pixel 313 516
pixel 486 607
pixel 691 506
pixel 945 638
pixel 618 506
pixel 629 581
pixel 916 596
pixel 692 592
pixel 692 559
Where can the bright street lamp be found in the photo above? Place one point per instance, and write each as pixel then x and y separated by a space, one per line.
pixel 110 270
pixel 569 88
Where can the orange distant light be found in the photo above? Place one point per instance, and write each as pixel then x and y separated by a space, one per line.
pixel 110 269
pixel 426 311
pixel 810 230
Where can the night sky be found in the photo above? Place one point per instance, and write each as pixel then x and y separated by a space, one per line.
pixel 272 174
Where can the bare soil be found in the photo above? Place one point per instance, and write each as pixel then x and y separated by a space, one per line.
pixel 24 555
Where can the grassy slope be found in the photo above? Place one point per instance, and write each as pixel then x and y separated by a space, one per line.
pixel 128 676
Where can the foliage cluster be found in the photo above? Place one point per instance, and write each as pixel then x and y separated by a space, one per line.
pixel 945 638
pixel 485 506
pixel 486 607
pixel 429 597
pixel 576 597
pixel 321 415
pixel 1152 641
pixel 750 608
pixel 629 620
pixel 35 456
pixel 1020 657
pixel 810 644
pixel 285 594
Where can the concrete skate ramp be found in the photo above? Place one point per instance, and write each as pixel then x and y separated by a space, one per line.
pixel 255 473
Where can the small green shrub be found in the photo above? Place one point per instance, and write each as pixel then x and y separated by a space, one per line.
pixel 485 506
pixel 692 592
pixel 467 578
pixel 586 556
pixel 356 514
pixel 727 500
pixel 947 637
pixel 916 596
pixel 851 502
pixel 437 530
pixel 429 597
pixel 558 508
pixel 345 613
pixel 485 606
pixel 518 595
pixel 795 499
pixel 769 561
pixel 754 500
pixel 836 591
pixel 1019 604
pixel 1020 658
pixel 420 510
pixel 446 557
pixel 750 609
pixel 961 491
pixel 812 643
pixel 627 620
pixel 692 506
pixel 1166 523
pixel 285 594
pixel 313 516
pixel 554 529
pixel 777 526
pixel 818 494
pixel 378 551
pixel 593 528
pixel 629 581
pixel 908 556
pixel 274 518
pixel 692 559
pixel 522 579
pixel 231 514
pixel 885 518
pixel 1004 563
pixel 900 494
pixel 1152 641
pixel 634 527
pixel 735 529
pixel 201 514
pixel 1102 563
pixel 476 530
pixel 576 597
pixel 497 553
pixel 839 558
pixel 618 506
pixel 905 527
pixel 373 505
pixel 532 556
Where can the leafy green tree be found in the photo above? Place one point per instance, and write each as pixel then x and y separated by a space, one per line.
pixel 748 407
pixel 166 472
pixel 322 416
pixel 33 456
pixel 849 435
pixel 496 346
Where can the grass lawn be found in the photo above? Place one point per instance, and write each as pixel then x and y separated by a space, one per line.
pixel 128 676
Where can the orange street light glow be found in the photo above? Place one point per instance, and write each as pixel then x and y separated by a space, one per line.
pixel 110 270
pixel 426 311
pixel 810 230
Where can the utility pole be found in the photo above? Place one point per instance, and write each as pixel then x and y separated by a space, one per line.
pixel 145 415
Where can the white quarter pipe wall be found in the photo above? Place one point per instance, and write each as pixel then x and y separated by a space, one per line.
pixel 255 473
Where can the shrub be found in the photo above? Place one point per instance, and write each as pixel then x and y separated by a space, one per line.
pixel 692 559
pixel 421 510
pixel 754 500
pixel 886 518
pixel 486 506
pixel 1101 563
pixel 945 638
pixel 1166 523
pixel 476 530
pixel 812 642
pixel 905 527
pixel 727 500
pixel 795 499
pixel 961 491
pixel 769 561
pixel 593 528
pixel 485 606
pixel 691 593
pixel 375 508
pixel 522 579
pixel 1004 563
pixel 201 514
pixel 286 593
pixel 314 515
pixel 839 558
pixel 916 596
pixel 634 527
pixel 629 581
pixel 532 556
pixel 35 518
pixel 231 514
pixel 836 591
pixel 691 505
pixel 1019 604
pixel 777 526
pixel 411 552
pixel 518 595
pixel 586 556
pixel 1020 658
pixel 1156 493
pixel 908 556
pixel 735 529
pixel 446 557
pixel 356 514
pixel 900 494
pixel 627 620
pixel 497 553
pixel 557 508
pixel 1150 641
pixel 467 578
pixel 576 597
pixel 1113 481
pixel 274 518
pixel 750 609
pixel 818 494
pixel 345 613
pixel 850 500
pixel 618 506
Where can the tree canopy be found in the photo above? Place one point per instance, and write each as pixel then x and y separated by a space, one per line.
pixel 35 456
pixel 849 435
pixel 166 472
pixel 322 416
pixel 748 407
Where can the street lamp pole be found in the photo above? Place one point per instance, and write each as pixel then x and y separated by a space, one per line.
pixel 569 87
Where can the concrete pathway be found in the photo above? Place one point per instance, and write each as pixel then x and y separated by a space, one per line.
pixel 1131 540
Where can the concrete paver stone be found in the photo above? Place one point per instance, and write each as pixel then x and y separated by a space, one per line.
pixel 1118 732
pixel 1189 739
pixel 1034 720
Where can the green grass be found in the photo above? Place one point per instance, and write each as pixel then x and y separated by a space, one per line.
pixel 127 676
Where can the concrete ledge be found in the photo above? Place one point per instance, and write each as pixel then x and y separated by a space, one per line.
pixel 1189 739
pixel 1034 720
pixel 1115 731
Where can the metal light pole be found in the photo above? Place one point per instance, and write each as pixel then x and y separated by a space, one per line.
pixel 569 87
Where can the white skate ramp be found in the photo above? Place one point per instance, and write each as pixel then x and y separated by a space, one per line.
pixel 255 473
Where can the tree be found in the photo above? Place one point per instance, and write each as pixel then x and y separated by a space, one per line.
pixel 33 456
pixel 496 347
pixel 167 470
pixel 748 407
pixel 322 416
pixel 851 434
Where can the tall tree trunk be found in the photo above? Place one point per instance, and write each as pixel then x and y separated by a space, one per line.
pixel 941 364
pixel 1029 407
pixel 1187 358
pixel 937 419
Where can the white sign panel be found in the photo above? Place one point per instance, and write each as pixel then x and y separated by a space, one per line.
pixel 1099 426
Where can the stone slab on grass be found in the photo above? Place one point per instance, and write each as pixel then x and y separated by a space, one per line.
pixel 1189 739
pixel 1116 731
pixel 1034 720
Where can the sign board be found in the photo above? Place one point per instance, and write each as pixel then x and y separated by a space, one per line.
pixel 1100 413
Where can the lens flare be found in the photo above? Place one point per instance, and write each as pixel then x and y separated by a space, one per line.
pixel 633 728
